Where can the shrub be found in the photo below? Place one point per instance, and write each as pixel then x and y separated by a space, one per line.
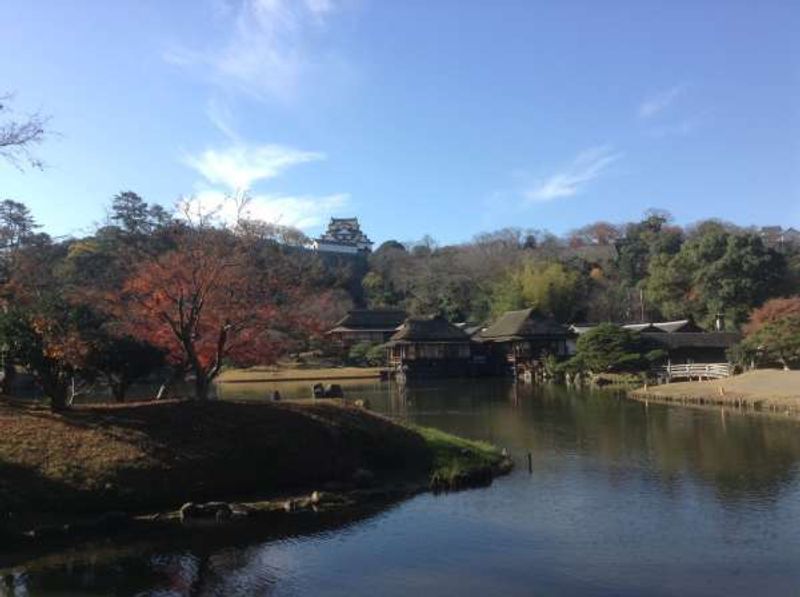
pixel 610 348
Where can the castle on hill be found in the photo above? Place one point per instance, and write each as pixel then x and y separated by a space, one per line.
pixel 343 235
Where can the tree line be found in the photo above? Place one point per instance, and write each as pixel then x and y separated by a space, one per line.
pixel 181 295
pixel 641 271
pixel 152 293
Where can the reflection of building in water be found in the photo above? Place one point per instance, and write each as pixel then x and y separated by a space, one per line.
pixel 343 235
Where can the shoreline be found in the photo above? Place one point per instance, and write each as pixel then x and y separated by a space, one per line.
pixel 768 391
pixel 114 523
pixel 321 374
pixel 152 468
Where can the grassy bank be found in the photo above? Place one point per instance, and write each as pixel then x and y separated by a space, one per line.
pixel 765 389
pixel 295 373
pixel 459 462
pixel 156 456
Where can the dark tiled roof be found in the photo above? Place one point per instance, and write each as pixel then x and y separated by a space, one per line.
pixel 693 339
pixel 523 324
pixel 682 326
pixel 371 319
pixel 428 329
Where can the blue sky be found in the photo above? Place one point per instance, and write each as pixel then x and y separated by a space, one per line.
pixel 445 117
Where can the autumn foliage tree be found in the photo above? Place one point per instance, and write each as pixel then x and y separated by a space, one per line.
pixel 214 299
pixel 773 311
pixel 773 332
pixel 41 329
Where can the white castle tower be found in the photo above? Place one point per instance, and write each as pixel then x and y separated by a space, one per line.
pixel 343 236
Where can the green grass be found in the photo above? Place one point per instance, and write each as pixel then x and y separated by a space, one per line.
pixel 459 462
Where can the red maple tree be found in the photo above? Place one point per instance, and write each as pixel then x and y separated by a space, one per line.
pixel 772 311
pixel 214 300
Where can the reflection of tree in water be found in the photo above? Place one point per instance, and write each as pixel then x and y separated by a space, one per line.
pixel 738 455
pixel 225 560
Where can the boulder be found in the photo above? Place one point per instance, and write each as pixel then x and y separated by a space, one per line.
pixel 334 390
pixel 218 511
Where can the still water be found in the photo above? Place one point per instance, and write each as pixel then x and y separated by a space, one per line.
pixel 624 499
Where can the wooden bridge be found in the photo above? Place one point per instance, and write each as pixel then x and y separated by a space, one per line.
pixel 699 371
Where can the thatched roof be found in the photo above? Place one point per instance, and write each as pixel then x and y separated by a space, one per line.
pixel 428 329
pixel 693 339
pixel 523 325
pixel 373 320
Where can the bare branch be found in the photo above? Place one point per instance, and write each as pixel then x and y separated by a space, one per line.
pixel 18 136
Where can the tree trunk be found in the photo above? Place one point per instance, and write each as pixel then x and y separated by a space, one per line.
pixel 118 390
pixel 57 390
pixel 178 375
pixel 9 373
pixel 201 386
pixel 58 399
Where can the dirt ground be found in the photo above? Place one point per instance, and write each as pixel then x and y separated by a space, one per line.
pixel 767 389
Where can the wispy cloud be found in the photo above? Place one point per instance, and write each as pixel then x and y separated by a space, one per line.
pixel 271 46
pixel 675 129
pixel 660 101
pixel 230 171
pixel 572 179
pixel 299 211
pixel 222 118
pixel 239 167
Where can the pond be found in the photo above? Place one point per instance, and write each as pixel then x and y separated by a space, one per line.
pixel 624 498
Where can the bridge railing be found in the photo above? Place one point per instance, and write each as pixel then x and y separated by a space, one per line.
pixel 697 370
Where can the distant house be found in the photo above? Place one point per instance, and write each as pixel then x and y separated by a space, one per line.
pixel 777 237
pixel 343 235
pixel 683 340
pixel 693 347
pixel 366 325
pixel 430 347
pixel 519 339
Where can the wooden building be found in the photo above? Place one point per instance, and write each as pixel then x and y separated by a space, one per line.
pixel 693 347
pixel 375 326
pixel 518 340
pixel 430 347
pixel 683 340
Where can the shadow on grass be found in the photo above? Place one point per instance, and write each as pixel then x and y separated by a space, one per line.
pixel 156 455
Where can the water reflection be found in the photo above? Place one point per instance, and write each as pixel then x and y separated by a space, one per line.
pixel 624 498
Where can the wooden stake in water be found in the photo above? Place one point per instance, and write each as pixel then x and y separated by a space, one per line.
pixel 530 463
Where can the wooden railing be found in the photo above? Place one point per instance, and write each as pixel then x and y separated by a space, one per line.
pixel 697 371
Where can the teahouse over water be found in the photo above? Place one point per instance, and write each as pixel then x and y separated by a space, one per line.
pixel 521 338
pixel 430 347
pixel 366 325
